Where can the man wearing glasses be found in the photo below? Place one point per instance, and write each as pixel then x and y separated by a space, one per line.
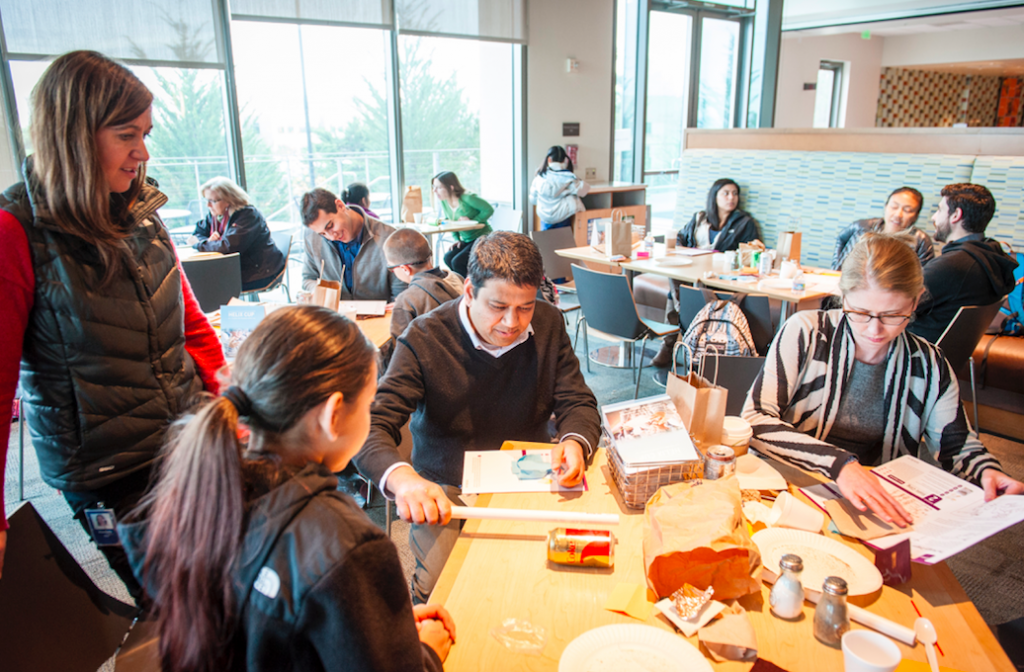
pixel 344 244
pixel 972 270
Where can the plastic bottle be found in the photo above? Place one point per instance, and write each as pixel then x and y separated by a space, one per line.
pixel 799 283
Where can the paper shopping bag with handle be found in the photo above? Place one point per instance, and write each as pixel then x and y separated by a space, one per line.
pixel 327 293
pixel 412 202
pixel 700 402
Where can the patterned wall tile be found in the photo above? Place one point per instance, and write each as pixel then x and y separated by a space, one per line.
pixel 825 191
pixel 983 101
pixel 1004 177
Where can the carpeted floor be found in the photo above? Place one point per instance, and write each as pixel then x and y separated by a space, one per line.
pixel 991 572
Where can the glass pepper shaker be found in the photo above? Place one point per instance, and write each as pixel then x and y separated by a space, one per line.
pixel 831 617
pixel 787 596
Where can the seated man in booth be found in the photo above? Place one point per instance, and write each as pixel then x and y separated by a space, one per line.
pixel 473 373
pixel 344 244
pixel 972 270
pixel 900 214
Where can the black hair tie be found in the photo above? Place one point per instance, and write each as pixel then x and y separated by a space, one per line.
pixel 239 399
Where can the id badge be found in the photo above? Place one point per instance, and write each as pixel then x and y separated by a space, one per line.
pixel 103 525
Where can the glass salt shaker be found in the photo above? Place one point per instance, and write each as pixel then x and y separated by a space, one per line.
pixel 787 596
pixel 831 617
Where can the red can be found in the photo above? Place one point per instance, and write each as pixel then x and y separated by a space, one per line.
pixel 589 548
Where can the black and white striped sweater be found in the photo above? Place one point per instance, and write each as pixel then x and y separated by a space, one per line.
pixel 794 402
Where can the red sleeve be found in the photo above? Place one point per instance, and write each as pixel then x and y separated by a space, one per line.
pixel 201 340
pixel 18 281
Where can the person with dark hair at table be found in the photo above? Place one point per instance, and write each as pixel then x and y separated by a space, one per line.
pixel 253 559
pixel 345 244
pixel 234 225
pixel 457 204
pixel 358 193
pixel 901 211
pixel 99 321
pixel 972 270
pixel 473 373
pixel 721 226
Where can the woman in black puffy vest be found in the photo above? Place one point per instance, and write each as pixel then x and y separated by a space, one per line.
pixel 111 342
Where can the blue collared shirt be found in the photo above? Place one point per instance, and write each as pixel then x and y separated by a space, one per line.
pixel 348 253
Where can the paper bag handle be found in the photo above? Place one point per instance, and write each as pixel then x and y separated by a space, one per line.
pixel 718 363
pixel 689 357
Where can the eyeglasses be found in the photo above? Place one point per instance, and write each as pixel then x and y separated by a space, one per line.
pixel 414 264
pixel 888 320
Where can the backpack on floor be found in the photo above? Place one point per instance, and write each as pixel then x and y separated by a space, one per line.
pixel 1009 321
pixel 722 326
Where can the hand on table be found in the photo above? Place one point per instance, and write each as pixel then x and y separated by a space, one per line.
pixel 995 483
pixel 417 499
pixel 862 488
pixel 568 463
pixel 434 612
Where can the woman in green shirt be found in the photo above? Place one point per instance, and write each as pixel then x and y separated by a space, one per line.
pixel 457 204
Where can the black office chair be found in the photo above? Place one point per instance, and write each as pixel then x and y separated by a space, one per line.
pixel 736 374
pixel 609 309
pixel 960 339
pixel 283 241
pixel 215 280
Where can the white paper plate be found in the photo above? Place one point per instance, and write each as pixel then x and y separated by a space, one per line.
pixel 625 648
pixel 673 261
pixel 822 556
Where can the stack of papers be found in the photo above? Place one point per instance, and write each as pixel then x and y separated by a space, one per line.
pixel 950 514
pixel 648 433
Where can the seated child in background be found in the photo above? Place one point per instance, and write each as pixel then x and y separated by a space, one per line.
pixel 409 257
pixel 252 558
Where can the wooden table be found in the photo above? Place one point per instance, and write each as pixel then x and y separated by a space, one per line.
pixel 499 570
pixel 818 286
pixel 377 329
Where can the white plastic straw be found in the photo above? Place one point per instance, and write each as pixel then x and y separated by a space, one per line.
pixel 485 513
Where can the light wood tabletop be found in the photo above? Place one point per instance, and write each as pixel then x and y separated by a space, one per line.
pixel 377 329
pixel 447 227
pixel 499 570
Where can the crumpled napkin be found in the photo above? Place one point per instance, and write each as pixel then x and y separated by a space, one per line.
pixel 731 637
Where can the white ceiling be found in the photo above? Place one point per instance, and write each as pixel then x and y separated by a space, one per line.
pixel 925 24
pixel 808 14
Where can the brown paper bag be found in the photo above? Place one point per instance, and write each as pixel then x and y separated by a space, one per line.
pixel 327 293
pixel 701 403
pixel 412 202
pixel 789 246
pixel 613 235
pixel 696 534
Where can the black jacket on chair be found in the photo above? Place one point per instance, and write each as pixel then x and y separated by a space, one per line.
pixel 248 234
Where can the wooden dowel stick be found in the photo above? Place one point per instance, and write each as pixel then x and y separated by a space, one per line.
pixel 484 513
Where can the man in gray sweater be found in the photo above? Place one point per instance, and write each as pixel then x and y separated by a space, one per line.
pixel 473 373
pixel 344 244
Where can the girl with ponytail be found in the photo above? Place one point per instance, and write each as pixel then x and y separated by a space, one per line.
pixel 251 557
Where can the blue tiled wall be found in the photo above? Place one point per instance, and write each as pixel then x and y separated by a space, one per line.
pixel 818 193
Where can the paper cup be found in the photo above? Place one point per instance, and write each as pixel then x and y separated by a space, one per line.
pixel 789 270
pixel 350 314
pixel 417 217
pixel 718 261
pixel 865 651
pixel 790 512
pixel 670 242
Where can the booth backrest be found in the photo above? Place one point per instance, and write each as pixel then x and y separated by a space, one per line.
pixel 818 193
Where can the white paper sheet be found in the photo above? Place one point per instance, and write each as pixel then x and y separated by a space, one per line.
pixel 950 514
pixel 491 471
pixel 373 308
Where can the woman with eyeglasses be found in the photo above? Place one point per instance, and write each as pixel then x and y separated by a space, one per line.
pixel 845 389
pixel 234 225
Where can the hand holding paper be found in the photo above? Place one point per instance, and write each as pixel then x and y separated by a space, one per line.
pixel 568 463
pixel 864 491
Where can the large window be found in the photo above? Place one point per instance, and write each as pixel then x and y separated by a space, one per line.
pixel 719 61
pixel 457 113
pixel 828 95
pixel 285 96
pixel 313 112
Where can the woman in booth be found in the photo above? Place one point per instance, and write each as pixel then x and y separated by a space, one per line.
pixel 252 557
pixel 111 342
pixel 232 225
pixel 460 205
pixel 816 404
pixel 721 226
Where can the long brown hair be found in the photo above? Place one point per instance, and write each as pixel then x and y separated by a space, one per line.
pixel 79 94
pixel 293 361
